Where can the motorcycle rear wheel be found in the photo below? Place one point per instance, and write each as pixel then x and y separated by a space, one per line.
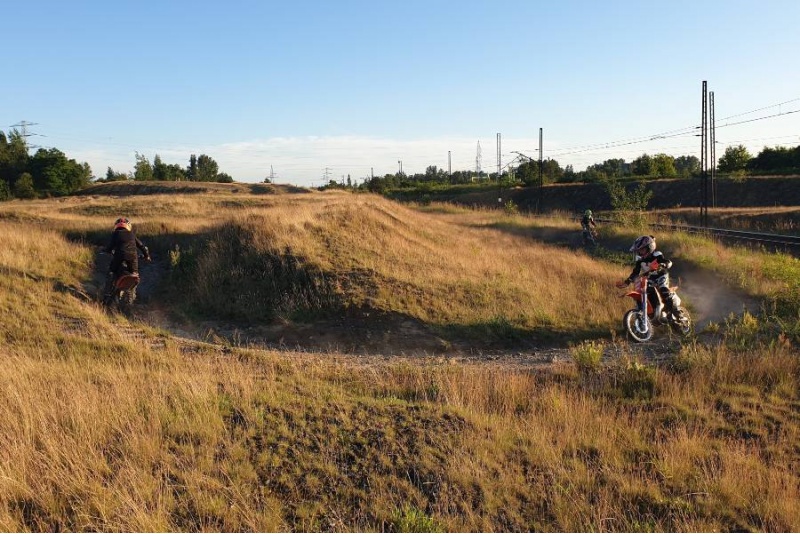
pixel 638 328
pixel 126 301
pixel 681 322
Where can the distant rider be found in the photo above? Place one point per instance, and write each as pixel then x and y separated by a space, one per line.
pixel 653 263
pixel 588 225
pixel 123 247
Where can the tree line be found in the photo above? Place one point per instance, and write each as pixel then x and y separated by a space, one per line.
pixel 736 161
pixel 49 172
pixel 201 168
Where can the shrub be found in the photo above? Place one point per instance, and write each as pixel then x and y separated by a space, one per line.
pixel 587 356
pixel 411 519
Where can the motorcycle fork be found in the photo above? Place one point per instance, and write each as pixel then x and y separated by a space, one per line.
pixel 644 303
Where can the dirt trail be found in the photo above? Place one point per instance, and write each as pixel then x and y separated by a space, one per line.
pixel 382 340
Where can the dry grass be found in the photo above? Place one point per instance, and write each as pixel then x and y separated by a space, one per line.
pixel 778 219
pixel 108 425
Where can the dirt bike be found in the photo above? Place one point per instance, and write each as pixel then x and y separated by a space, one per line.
pixel 590 236
pixel 123 291
pixel 649 312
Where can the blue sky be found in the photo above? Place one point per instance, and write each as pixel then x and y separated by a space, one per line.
pixel 356 86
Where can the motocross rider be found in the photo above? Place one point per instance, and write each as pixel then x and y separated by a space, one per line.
pixel 587 223
pixel 123 247
pixel 653 263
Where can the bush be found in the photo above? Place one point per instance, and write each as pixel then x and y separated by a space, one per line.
pixel 629 206
pixel 411 519
pixel 23 188
pixel 587 356
pixel 511 208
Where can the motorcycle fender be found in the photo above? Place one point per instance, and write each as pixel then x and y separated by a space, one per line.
pixel 127 281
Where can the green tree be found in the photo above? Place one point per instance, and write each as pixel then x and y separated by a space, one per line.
pixel 664 166
pixel 569 174
pixel 224 178
pixel 53 173
pixel 23 188
pixel 528 172
pixel 174 173
pixel 643 166
pixel 629 205
pixel 143 170
pixel 191 170
pixel 687 166
pixel 207 169
pixel 551 171
pixel 5 191
pixel 113 176
pixel 735 158
pixel 13 156
pixel 159 169
pixel 611 168
pixel 778 159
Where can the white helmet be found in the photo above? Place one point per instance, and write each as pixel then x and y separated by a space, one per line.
pixel 644 245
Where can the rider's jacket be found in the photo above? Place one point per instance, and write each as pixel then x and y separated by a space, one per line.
pixel 124 243
pixel 649 265
pixel 586 221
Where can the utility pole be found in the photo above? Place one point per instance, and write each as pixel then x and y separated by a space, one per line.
pixel 478 161
pixel 449 168
pixel 400 162
pixel 499 152
pixel 326 175
pixel 704 158
pixel 713 160
pixel 23 130
pixel 541 177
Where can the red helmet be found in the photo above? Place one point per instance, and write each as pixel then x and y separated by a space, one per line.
pixel 122 222
pixel 644 245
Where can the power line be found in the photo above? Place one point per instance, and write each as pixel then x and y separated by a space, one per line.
pixel 760 109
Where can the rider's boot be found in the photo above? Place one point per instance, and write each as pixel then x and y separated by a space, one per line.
pixel 657 313
pixel 672 303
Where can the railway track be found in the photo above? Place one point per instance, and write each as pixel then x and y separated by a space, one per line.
pixel 778 242
pixel 787 243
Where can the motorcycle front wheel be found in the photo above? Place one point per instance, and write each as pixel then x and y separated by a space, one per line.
pixel 638 326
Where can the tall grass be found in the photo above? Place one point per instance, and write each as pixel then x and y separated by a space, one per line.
pixel 108 425
pixel 366 252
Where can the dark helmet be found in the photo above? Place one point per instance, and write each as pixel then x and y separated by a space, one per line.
pixel 644 245
pixel 122 222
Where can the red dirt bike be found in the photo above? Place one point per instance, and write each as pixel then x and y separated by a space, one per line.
pixel 123 291
pixel 649 312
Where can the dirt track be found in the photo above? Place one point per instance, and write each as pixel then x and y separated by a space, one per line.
pixel 392 339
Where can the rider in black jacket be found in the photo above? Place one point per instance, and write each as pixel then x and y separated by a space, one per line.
pixel 123 246
pixel 653 263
